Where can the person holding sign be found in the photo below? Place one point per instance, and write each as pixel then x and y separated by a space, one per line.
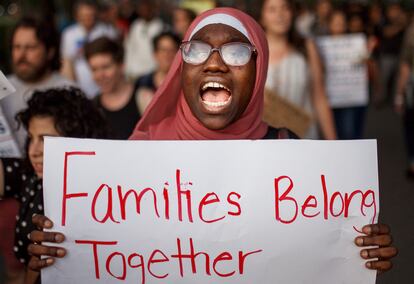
pixel 345 57
pixel 54 112
pixel 214 91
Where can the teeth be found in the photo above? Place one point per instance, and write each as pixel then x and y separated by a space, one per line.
pixel 216 104
pixel 214 85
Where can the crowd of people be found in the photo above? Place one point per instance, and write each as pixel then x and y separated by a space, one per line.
pixel 100 77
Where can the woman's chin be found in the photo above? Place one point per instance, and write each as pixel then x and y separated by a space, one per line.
pixel 38 169
pixel 215 122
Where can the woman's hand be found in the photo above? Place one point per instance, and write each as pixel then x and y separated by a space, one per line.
pixel 37 250
pixel 377 235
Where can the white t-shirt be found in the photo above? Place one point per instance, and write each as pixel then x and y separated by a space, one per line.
pixel 17 101
pixel 139 59
pixel 73 40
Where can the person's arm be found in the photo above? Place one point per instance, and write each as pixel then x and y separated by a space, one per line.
pixel 130 51
pixel 67 69
pixel 379 237
pixel 319 98
pixel 31 276
pixel 404 76
pixel 68 52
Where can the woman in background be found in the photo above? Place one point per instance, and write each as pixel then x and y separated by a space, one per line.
pixel 54 112
pixel 295 69
pixel 165 46
pixel 118 97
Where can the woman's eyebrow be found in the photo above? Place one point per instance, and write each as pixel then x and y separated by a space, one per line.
pixel 236 38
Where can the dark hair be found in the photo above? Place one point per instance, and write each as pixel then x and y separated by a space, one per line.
pixel 294 38
pixel 90 3
pixel 46 33
pixel 107 46
pixel 73 114
pixel 173 36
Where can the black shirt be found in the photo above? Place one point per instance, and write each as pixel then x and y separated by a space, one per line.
pixel 121 122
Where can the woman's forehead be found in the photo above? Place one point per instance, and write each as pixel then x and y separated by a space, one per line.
pixel 220 31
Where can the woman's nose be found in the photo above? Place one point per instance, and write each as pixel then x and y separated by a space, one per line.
pixel 36 148
pixel 215 63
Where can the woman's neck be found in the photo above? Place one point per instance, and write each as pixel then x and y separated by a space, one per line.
pixel 118 97
pixel 118 90
pixel 279 47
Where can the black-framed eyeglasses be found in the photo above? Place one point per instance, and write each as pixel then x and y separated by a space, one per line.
pixel 233 53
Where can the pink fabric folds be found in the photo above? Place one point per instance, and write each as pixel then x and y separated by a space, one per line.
pixel 168 117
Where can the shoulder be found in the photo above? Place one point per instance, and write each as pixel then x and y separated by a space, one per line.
pixel 146 81
pixel 72 30
pixel 57 80
pixel 136 24
pixel 101 29
pixel 13 78
pixel 279 133
pixel 157 23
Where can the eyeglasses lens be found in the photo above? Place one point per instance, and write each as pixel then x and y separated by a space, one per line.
pixel 234 54
pixel 196 52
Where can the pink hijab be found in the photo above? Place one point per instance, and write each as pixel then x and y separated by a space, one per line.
pixel 168 117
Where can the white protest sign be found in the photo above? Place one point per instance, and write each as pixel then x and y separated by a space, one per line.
pixel 346 75
pixel 8 145
pixel 6 88
pixel 268 211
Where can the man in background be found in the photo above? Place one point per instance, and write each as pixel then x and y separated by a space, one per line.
pixel 74 38
pixel 35 64
pixel 138 43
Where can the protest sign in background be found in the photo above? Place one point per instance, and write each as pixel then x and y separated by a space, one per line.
pixel 210 211
pixel 8 145
pixel 346 75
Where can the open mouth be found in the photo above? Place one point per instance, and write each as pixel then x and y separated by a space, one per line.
pixel 215 96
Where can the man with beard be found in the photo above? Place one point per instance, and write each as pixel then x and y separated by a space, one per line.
pixel 35 62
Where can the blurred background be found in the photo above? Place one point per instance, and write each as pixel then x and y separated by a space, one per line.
pixel 384 73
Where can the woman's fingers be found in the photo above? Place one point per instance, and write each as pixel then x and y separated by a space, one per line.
pixel 39 250
pixel 378 240
pixel 380 253
pixel 379 236
pixel 381 266
pixel 40 236
pixel 376 229
pixel 42 222
pixel 37 264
